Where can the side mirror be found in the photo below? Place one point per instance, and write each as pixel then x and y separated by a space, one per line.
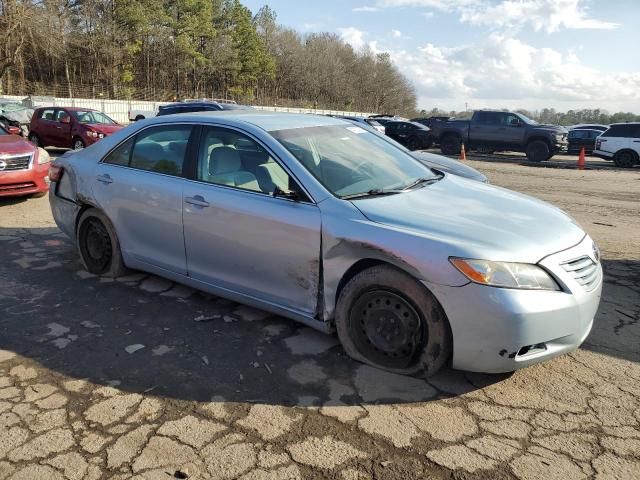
pixel 14 130
pixel 65 119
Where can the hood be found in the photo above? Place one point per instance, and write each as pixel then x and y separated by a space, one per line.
pixel 13 144
pixel 477 220
pixel 551 128
pixel 449 165
pixel 104 128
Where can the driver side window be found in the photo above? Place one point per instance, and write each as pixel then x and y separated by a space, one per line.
pixel 232 159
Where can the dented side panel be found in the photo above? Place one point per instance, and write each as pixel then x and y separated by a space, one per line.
pixel 348 237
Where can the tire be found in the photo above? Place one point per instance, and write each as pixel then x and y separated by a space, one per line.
pixel 413 335
pixel 450 145
pixel 412 144
pixel 78 143
pixel 538 151
pixel 625 159
pixel 98 245
pixel 139 117
pixel 33 138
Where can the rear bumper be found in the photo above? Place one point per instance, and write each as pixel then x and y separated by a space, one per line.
pixel 25 182
pixel 64 213
pixel 500 330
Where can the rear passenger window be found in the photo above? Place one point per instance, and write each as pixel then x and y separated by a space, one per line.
pixel 121 155
pixel 630 130
pixel 161 149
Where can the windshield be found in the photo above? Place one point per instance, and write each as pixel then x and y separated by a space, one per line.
pixel 11 107
pixel 349 160
pixel 526 119
pixel 89 116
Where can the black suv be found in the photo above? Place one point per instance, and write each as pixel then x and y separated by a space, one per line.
pixel 412 135
pixel 189 107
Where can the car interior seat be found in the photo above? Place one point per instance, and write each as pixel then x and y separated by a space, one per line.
pixel 225 168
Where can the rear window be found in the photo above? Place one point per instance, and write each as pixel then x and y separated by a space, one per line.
pixel 628 130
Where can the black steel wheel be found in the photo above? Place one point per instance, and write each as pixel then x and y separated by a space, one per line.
pixel 387 329
pixel 98 244
pixel 387 319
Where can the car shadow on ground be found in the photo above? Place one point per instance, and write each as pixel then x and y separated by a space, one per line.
pixel 142 333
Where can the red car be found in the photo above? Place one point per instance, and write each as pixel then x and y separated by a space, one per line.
pixel 23 167
pixel 69 127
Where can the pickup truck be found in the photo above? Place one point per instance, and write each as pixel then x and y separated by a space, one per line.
pixel 489 131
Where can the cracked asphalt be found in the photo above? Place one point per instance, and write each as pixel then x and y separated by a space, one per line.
pixel 141 378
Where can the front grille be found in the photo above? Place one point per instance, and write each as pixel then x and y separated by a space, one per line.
pixel 20 162
pixel 584 270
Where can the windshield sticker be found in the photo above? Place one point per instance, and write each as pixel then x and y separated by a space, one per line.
pixel 356 130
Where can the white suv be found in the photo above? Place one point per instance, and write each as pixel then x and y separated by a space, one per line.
pixel 621 143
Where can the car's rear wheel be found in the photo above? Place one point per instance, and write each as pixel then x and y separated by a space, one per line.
pixel 98 244
pixel 387 319
pixel 412 143
pixel 78 143
pixel 625 159
pixel 538 151
pixel 450 145
pixel 33 138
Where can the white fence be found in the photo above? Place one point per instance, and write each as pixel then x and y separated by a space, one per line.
pixel 119 109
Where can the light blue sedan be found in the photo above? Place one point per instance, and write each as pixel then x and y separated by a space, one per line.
pixel 322 221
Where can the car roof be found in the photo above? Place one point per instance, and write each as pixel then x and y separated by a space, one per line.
pixel 269 121
pixel 73 109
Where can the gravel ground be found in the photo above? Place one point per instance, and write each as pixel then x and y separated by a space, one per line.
pixel 142 378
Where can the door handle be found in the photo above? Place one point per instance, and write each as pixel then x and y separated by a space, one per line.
pixel 106 178
pixel 636 141
pixel 57 126
pixel 198 201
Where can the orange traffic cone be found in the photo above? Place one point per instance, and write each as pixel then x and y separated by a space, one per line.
pixel 581 159
pixel 463 154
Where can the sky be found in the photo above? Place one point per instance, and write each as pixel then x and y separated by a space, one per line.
pixel 562 54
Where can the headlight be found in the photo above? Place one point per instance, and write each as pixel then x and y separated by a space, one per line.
pixel 502 274
pixel 43 156
pixel 559 136
pixel 92 134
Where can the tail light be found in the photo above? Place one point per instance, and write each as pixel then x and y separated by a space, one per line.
pixel 55 172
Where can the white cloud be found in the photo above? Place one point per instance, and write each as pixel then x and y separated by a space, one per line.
pixel 541 15
pixel 366 8
pixel 427 15
pixel 396 33
pixel 353 37
pixel 506 72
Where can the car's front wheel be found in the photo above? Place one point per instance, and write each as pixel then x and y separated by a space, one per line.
pixel 387 319
pixel 98 245
pixel 538 151
pixel 625 159
pixel 78 143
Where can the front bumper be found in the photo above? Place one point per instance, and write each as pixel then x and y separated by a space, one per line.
pixel 560 147
pixel 500 330
pixel 25 182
